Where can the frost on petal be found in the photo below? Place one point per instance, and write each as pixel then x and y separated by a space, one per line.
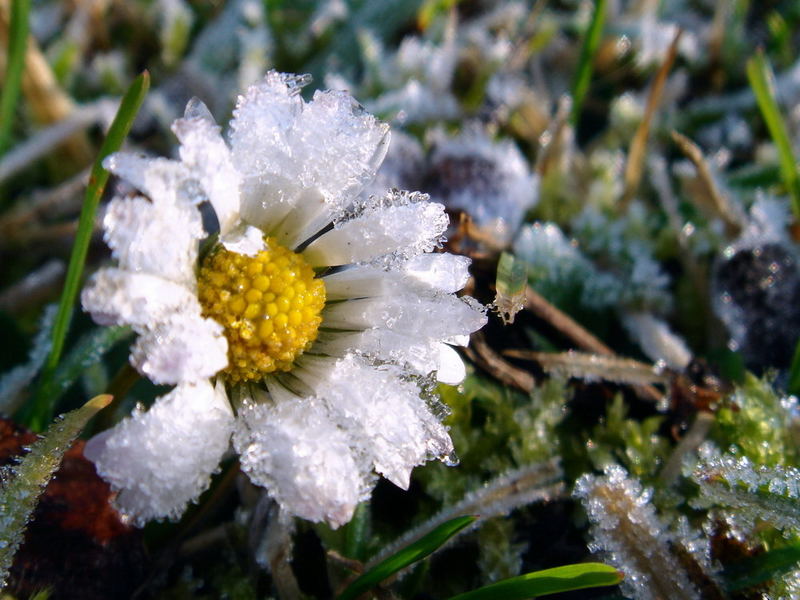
pixel 403 224
pixel 160 179
pixel 162 459
pixel 245 240
pixel 339 146
pixel 117 297
pixel 159 237
pixel 436 316
pixel 451 368
pixel 384 415
pixel 440 272
pixel 185 347
pixel 205 153
pixel 304 460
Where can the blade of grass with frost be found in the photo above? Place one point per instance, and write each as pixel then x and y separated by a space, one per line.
pixel 23 483
pixel 408 555
pixel 512 277
pixel 761 568
pixel 583 74
pixel 549 581
pixel 761 79
pixel 41 410
pixel 15 381
pixel 17 45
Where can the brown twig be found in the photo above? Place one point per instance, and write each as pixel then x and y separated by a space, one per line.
pixel 482 355
pixel 718 202
pixel 636 153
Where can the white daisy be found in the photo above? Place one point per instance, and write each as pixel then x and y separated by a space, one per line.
pixel 307 332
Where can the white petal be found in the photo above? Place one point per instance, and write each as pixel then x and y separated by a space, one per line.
pixel 437 317
pixel 338 146
pixel 302 458
pixel 445 272
pixel 183 348
pixel 159 237
pixel 162 459
pixel 160 179
pixel 117 297
pixel 405 224
pixel 204 151
pixel 451 368
pixel 245 240
pixel 420 355
pixel 384 415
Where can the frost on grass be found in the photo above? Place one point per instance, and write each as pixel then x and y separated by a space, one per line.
pixel 23 483
pixel 625 526
pixel 748 495
pixel 14 382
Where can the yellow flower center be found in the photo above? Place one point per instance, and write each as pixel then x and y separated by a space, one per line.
pixel 269 305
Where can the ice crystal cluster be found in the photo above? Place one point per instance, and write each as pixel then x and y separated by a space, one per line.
pixel 337 391
pixel 747 494
pixel 626 527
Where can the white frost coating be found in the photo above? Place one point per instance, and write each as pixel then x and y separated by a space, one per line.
pixel 657 341
pixel 384 416
pixel 445 272
pixel 304 460
pixel 154 237
pixel 184 347
pixel 328 144
pixel 437 317
pixel 117 297
pixel 410 228
pixel 245 240
pixel 162 459
pixel 205 153
pixel 158 178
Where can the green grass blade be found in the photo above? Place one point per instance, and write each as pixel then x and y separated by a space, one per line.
pixel 549 581
pixel 793 387
pixel 583 74
pixel 408 555
pixel 42 408
pixel 761 568
pixel 761 79
pixel 25 482
pixel 17 45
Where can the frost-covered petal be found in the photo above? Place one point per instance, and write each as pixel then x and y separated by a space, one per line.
pixel 293 448
pixel 405 224
pixel 451 368
pixel 158 237
pixel 160 179
pixel 205 153
pixel 383 414
pixel 280 143
pixel 162 459
pixel 445 272
pixel 185 347
pixel 117 297
pixel 435 316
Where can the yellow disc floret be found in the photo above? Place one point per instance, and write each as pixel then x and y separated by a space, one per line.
pixel 269 305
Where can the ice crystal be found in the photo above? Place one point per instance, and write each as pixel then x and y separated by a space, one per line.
pixel 748 494
pixel 626 527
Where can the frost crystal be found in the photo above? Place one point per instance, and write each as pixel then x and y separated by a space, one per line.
pixel 290 175
pixel 625 525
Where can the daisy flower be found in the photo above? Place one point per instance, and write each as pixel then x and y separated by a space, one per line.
pixel 307 330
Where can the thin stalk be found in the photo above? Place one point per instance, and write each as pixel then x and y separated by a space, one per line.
pixel 583 74
pixel 41 410
pixel 17 44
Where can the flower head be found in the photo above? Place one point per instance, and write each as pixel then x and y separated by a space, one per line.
pixel 305 333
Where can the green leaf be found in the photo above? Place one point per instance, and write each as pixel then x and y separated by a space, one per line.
pixel 755 570
pixel 761 79
pixel 549 581
pixel 406 556
pixel 24 483
pixel 583 74
pixel 17 45
pixel 512 279
pixel 41 410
